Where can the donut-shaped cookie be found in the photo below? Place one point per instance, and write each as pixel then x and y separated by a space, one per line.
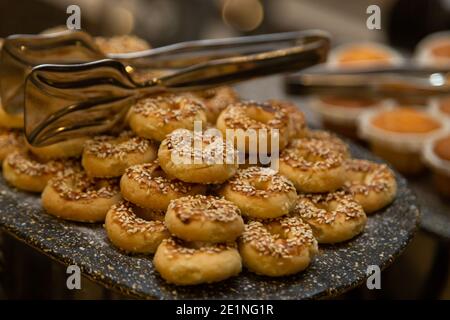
pixel 71 148
pixel 204 218
pixel 155 118
pixel 260 192
pixel 215 100
pixel 10 141
pixel 148 186
pixel 297 122
pixel 108 156
pixel 253 126
pixel 12 121
pixel 197 158
pixel 336 142
pixel 190 263
pixel 334 217
pixel 128 231
pixel 373 185
pixel 25 172
pixel 313 165
pixel 72 195
pixel 277 247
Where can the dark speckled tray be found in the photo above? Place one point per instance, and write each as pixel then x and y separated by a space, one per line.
pixel 337 268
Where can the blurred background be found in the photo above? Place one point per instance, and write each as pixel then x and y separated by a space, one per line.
pixel 161 22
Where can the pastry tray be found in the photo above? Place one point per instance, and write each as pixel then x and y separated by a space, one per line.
pixel 335 270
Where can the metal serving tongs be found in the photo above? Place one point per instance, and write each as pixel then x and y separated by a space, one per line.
pixel 406 82
pixel 20 53
pixel 67 101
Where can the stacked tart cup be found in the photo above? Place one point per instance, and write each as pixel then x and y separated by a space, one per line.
pixel 340 113
pixel 206 183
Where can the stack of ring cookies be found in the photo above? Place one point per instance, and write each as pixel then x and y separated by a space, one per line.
pixel 202 247
pixel 170 188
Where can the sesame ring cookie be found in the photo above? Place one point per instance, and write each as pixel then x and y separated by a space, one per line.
pixel 373 185
pixel 12 121
pixel 109 156
pixel 73 195
pixel 313 165
pixel 10 141
pixel 336 142
pixel 148 186
pixel 215 100
pixel 334 217
pixel 238 121
pixel 191 263
pixel 155 118
pixel 25 172
pixel 277 247
pixel 297 121
pixel 260 192
pixel 197 157
pixel 128 231
pixel 204 218
pixel 71 148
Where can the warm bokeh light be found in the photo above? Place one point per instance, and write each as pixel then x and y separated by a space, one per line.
pixel 244 15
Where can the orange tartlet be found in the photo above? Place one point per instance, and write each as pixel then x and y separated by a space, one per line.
pixel 441 107
pixel 363 54
pixel 398 135
pixel 434 50
pixel 436 154
pixel 340 113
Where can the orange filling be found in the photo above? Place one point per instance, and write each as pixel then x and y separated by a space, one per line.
pixel 444 105
pixel 405 120
pixel 364 54
pixel 441 50
pixel 442 148
pixel 348 101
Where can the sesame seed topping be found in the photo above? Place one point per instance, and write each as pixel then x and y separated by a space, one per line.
pixel 150 176
pixel 367 176
pixel 280 237
pixel 117 147
pixel 10 138
pixel 204 207
pixel 260 182
pixel 168 108
pixel 178 246
pixel 214 149
pixel 239 116
pixel 76 185
pixel 326 208
pixel 126 217
pixel 26 163
pixel 307 154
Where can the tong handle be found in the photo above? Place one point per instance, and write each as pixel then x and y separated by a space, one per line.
pixel 187 53
pixel 418 83
pixel 243 67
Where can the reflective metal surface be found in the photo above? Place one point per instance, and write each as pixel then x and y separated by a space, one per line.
pixel 63 101
pixel 20 53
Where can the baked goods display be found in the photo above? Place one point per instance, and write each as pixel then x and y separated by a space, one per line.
pixel 434 50
pixel 171 184
pixel 398 135
pixel 340 113
pixel 436 154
